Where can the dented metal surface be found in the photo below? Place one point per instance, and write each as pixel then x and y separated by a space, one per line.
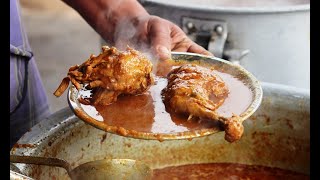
pixel 276 135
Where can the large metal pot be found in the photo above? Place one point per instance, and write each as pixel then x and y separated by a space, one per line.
pixel 276 135
pixel 269 38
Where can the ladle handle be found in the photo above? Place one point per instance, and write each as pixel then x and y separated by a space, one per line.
pixel 48 161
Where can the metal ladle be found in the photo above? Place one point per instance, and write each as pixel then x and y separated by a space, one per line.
pixel 99 169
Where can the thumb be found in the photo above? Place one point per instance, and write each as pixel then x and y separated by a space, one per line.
pixel 160 39
pixel 163 52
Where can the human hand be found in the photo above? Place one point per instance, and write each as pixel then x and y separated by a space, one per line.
pixel 126 22
pixel 157 34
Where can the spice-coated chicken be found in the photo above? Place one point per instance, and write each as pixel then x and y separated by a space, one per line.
pixel 110 74
pixel 198 92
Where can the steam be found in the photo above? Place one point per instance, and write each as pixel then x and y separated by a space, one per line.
pixel 128 32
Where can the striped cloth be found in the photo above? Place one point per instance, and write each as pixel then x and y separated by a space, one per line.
pixel 28 101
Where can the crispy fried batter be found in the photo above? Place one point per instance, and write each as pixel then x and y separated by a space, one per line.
pixel 63 86
pixel 198 92
pixel 111 74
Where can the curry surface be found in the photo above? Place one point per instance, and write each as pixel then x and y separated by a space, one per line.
pixel 225 171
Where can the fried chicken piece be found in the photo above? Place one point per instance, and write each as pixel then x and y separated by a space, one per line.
pixel 198 92
pixel 110 74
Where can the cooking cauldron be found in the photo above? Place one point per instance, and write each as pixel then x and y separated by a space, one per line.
pixel 270 38
pixel 276 135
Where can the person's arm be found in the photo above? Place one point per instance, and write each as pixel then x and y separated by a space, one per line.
pixel 126 22
pixel 105 15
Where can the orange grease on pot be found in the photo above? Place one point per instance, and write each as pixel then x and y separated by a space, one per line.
pixel 24 145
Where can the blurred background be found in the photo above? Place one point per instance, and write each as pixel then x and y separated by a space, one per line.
pixel 59 38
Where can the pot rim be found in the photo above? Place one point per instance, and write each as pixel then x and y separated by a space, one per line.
pixel 283 87
pixel 199 7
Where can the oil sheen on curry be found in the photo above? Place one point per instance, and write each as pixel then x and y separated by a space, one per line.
pixel 123 89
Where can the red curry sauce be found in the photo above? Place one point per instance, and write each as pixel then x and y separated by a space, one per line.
pixel 225 171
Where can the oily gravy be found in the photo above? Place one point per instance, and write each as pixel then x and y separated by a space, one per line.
pixel 225 171
pixel 147 112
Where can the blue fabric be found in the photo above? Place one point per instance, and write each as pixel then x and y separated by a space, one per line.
pixel 21 52
pixel 15 30
pixel 28 101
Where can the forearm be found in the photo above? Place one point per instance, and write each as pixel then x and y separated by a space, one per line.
pixel 104 15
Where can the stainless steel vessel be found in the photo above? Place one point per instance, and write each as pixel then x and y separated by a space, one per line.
pixel 276 135
pixel 270 38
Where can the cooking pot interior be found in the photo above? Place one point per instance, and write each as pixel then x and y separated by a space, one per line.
pixel 277 135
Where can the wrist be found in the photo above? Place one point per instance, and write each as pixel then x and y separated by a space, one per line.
pixel 105 15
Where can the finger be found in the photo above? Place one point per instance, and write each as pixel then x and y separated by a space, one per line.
pixel 187 45
pixel 195 48
pixel 160 39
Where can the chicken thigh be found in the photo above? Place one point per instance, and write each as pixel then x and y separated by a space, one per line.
pixel 197 91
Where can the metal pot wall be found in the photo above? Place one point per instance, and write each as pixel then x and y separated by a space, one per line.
pixel 270 40
pixel 277 135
